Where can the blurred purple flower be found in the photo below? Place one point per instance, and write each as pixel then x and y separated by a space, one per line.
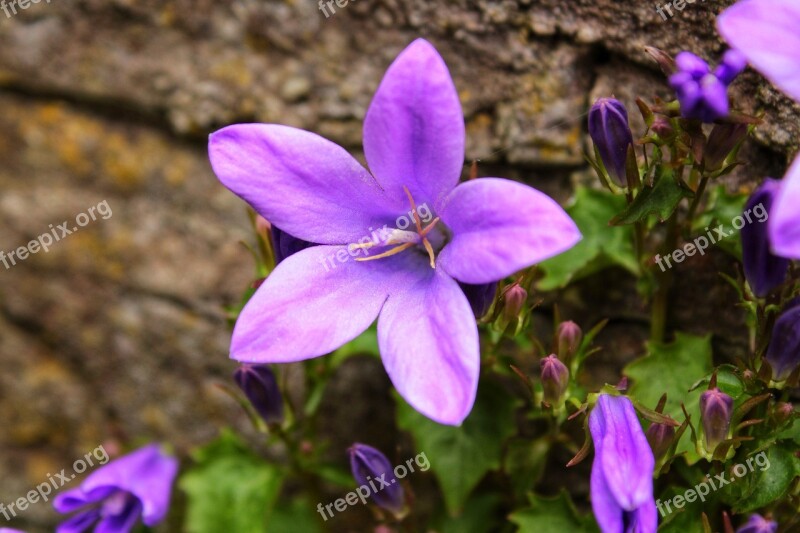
pixel 622 471
pixel 611 134
pixel 704 94
pixel 783 352
pixel 764 270
pixel 258 383
pixel 372 469
pixel 758 524
pixel 324 296
pixel 121 492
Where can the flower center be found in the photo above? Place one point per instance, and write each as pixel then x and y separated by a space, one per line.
pixel 404 239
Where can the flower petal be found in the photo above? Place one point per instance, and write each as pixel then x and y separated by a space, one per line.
pixel 784 218
pixel 313 302
pixel 308 186
pixel 122 522
pixel 606 510
pixel 414 128
pixel 80 522
pixel 763 270
pixel 499 227
pixel 429 345
pixel 74 499
pixel 765 31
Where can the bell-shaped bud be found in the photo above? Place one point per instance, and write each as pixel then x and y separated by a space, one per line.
pixel 285 245
pixel 660 437
pixel 721 142
pixel 783 352
pixel 764 270
pixel 374 474
pixel 611 134
pixel 555 378
pixel 480 297
pixel 568 339
pixel 664 60
pixel 514 298
pixel 716 410
pixel 781 413
pixel 261 388
pixel 758 524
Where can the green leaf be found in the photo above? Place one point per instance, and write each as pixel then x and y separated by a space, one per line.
pixel 461 456
pixel 525 462
pixel 229 488
pixel 297 516
pixel 673 368
pixel 772 483
pixel 722 208
pixel 482 513
pixel 552 515
pixel 660 200
pixel 602 245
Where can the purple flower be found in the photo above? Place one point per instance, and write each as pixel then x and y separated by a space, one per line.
pixel 622 471
pixel 764 270
pixel 121 492
pixel 704 94
pixel 379 234
pixel 611 134
pixel 758 524
pixel 784 223
pixel 783 352
pixel 716 410
pixel 373 470
pixel 261 388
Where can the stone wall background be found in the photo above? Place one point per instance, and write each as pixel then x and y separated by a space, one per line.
pixel 117 335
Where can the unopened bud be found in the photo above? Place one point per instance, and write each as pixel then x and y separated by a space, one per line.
pixel 716 409
pixel 569 336
pixel 369 465
pixel 721 142
pixel 664 60
pixel 782 412
pixel 259 385
pixel 514 299
pixel 783 352
pixel 663 128
pixel 555 378
pixel 611 134
pixel 660 438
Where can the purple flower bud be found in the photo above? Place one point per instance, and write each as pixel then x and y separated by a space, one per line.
pixel 763 270
pixel 514 298
pixel 555 378
pixel 781 413
pixel 622 470
pixel 480 297
pixel 611 134
pixel 261 388
pixel 704 95
pixel 285 245
pixel 371 469
pixel 663 128
pixel 569 336
pixel 721 142
pixel 783 352
pixel 758 524
pixel 660 438
pixel 716 409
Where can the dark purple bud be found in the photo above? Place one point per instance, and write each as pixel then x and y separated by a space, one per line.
pixel 569 336
pixel 285 245
pixel 721 142
pixel 480 297
pixel 703 95
pixel 514 298
pixel 611 134
pixel 758 524
pixel 261 388
pixel 783 352
pixel 660 438
pixel 716 409
pixel 555 378
pixel 764 270
pixel 370 467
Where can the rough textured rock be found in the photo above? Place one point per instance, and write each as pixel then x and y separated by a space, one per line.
pixel 118 332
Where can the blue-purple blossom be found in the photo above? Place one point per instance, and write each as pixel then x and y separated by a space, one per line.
pixel 758 524
pixel 763 270
pixel 703 94
pixel 622 470
pixel 119 494
pixel 368 264
pixel 611 134
pixel 783 352
pixel 258 383
pixel 372 469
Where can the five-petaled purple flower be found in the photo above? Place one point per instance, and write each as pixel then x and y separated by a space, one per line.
pixel 622 471
pixel 367 263
pixel 117 495
pixel 758 524
pixel 765 33
pixel 704 94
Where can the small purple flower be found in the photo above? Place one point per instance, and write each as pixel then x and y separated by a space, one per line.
pixel 373 470
pixel 783 352
pixel 258 383
pixel 375 257
pixel 611 134
pixel 758 524
pixel 622 471
pixel 716 410
pixel 121 492
pixel 764 270
pixel 704 94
